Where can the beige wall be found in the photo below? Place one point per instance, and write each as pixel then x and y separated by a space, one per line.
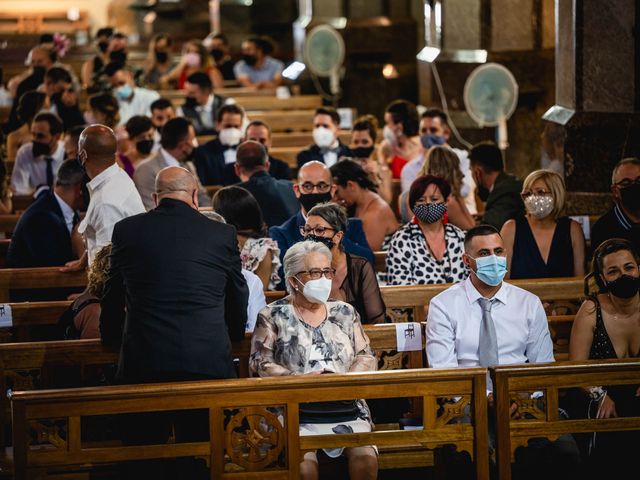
pixel 97 8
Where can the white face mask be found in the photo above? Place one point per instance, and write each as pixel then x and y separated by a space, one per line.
pixel 323 137
pixel 538 205
pixel 317 291
pixel 389 135
pixel 230 136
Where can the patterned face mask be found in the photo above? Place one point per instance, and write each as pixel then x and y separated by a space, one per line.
pixel 539 205
pixel 429 212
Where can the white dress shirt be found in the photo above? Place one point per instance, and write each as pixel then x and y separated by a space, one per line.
pixel 67 212
pixel 140 104
pixel 257 299
pixel 453 327
pixel 28 172
pixel 113 197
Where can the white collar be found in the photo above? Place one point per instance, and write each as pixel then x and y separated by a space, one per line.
pixel 67 211
pixel 169 159
pixel 473 295
pixel 102 177
pixel 207 106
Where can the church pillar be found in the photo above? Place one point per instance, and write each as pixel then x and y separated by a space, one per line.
pixel 597 103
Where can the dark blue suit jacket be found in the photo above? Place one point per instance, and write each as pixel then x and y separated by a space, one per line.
pixel 354 240
pixel 314 153
pixel 41 238
pixel 275 197
pixel 209 162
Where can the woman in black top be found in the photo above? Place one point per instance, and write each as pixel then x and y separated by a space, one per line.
pixel 542 243
pixel 355 280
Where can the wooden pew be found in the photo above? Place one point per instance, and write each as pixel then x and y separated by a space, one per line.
pixel 225 92
pixel 285 121
pixel 8 222
pixel 302 139
pixel 41 22
pixel 249 399
pixel 552 379
pixel 48 277
pixel 263 102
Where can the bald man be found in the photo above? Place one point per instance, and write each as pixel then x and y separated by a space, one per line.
pixel 186 297
pixel 275 197
pixel 113 194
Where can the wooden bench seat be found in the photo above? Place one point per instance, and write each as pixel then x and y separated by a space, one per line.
pixel 263 102
pixel 552 380
pixel 249 399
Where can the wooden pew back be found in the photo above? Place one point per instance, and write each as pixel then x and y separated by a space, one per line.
pixel 249 437
pixel 542 418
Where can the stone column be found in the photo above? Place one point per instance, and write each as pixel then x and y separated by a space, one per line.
pixel 597 90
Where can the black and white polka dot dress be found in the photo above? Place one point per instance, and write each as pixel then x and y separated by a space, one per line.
pixel 410 262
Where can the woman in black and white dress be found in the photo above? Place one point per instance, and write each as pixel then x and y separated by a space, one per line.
pixel 428 249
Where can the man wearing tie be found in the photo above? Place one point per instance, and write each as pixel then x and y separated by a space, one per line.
pixel 38 161
pixel 45 233
pixel 212 158
pixel 327 147
pixel 201 105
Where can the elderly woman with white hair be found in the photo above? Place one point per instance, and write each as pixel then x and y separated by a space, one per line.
pixel 306 333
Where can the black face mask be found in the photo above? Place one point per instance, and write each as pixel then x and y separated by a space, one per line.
pixel 102 46
pixel 250 60
pixel 328 242
pixel 144 146
pixel 162 56
pixel 362 152
pixel 39 149
pixel 217 54
pixel 631 197
pixel 624 286
pixel 119 56
pixel 483 193
pixel 39 71
pixel 310 200
pixel 190 102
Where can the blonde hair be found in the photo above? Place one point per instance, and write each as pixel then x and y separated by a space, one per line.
pixel 99 270
pixel 554 183
pixel 441 161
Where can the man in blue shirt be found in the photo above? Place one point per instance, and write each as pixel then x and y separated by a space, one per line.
pixel 257 68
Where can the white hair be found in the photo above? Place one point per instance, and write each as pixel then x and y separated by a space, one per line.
pixel 295 259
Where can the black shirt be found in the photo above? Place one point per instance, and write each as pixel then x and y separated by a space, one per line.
pixel 615 224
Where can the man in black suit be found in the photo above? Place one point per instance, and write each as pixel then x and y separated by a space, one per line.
pixel 275 197
pixel 212 158
pixel 260 132
pixel 176 277
pixel 498 189
pixel 46 234
pixel 186 298
pixel 327 147
pixel 201 105
pixel 42 237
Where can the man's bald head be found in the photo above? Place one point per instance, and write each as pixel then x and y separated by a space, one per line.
pixel 314 172
pixel 177 183
pixel 97 148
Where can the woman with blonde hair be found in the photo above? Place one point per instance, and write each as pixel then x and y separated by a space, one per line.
pixel 195 58
pixel 544 243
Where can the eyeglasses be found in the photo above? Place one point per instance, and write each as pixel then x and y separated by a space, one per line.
pixel 627 182
pixel 538 193
pixel 307 187
pixel 316 273
pixel 319 230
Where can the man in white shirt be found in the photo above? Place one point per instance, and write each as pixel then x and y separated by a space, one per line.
pixel 327 147
pixel 178 141
pixel 435 130
pixel 113 193
pixel 38 161
pixel 132 100
pixel 516 317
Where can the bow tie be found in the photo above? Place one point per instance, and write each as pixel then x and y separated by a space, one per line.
pixel 229 147
pixel 327 150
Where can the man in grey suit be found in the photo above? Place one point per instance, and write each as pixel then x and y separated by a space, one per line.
pixel 177 140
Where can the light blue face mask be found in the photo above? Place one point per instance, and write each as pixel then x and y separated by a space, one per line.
pixel 124 91
pixel 491 269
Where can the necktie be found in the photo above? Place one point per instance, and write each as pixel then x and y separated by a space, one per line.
pixel 488 343
pixel 76 219
pixel 49 171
